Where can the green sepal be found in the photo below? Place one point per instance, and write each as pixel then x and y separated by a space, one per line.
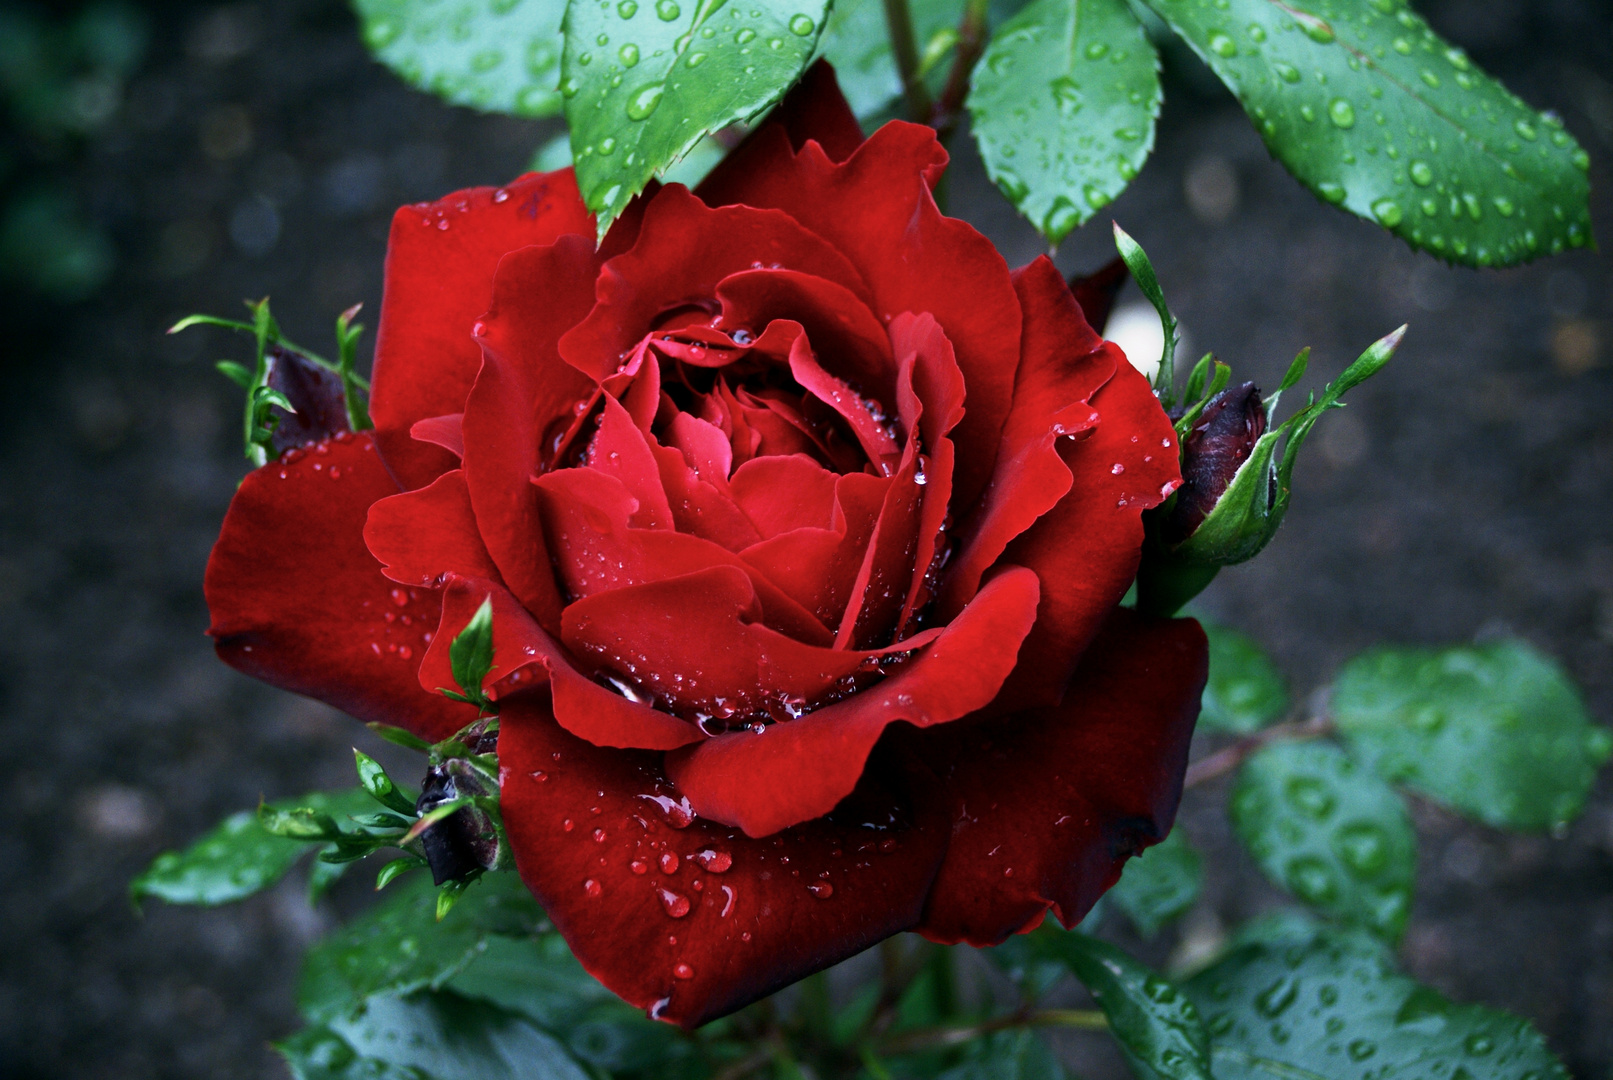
pixel 353 386
pixel 470 656
pixel 399 736
pixel 298 823
pixel 237 374
pixel 396 869
pixel 1142 272
pixel 374 779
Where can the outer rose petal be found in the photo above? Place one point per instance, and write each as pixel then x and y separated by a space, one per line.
pixel 1047 805
pixel 524 387
pixel 439 273
pixel 299 602
pixel 421 535
pixel 691 919
pixel 799 770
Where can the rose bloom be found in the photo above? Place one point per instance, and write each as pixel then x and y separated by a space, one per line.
pixel 805 523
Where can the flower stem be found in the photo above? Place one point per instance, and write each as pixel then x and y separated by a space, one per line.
pixel 904 46
pixel 971 44
pixel 1229 758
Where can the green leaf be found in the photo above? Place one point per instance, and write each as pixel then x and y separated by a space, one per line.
pixel 1246 691
pixel 1160 884
pixel 857 42
pixel 494 55
pixel 238 857
pixel 1007 1055
pixel 1374 112
pixel 448 1037
pixel 537 977
pixel 1329 831
pixel 1156 1025
pixel 318 1053
pixel 1496 731
pixel 1335 1008
pixel 471 653
pixel 644 81
pixel 1063 106
pixel 373 778
pixel 399 946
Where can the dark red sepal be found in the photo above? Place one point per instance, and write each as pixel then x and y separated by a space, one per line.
pixel 315 392
pixel 713 920
pixel 1048 804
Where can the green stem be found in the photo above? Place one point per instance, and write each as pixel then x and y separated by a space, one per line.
pixel 904 46
pixel 971 44
pixel 1229 758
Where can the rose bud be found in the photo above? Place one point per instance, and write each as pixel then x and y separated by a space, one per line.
pixel 801 523
pixel 1217 445
pixel 1235 486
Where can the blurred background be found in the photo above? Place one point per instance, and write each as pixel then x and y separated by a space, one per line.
pixel 159 159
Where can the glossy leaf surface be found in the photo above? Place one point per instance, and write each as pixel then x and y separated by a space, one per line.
pixel 1329 831
pixel 1335 1008
pixel 493 55
pixel 1374 112
pixel 857 43
pixel 644 81
pixel 1495 731
pixel 1246 691
pixel 1063 106
pixel 1159 885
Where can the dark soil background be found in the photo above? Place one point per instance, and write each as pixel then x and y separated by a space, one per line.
pixel 255 149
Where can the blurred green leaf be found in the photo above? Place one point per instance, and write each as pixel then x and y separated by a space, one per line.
pixel 1329 831
pixel 1007 1055
pixel 1157 1027
pixel 493 55
pixel 447 1037
pixel 238 857
pixel 643 82
pixel 535 976
pixel 1335 1008
pixel 399 946
pixel 1246 691
pixel 1160 884
pixel 46 243
pixel 1063 105
pixel 1375 113
pixel 1496 731
pixel 318 1053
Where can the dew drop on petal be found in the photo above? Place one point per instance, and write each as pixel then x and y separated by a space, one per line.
pixel 669 862
pixel 821 889
pixel 683 971
pixel 591 888
pixel 676 904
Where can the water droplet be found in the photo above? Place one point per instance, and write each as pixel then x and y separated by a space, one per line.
pixel 1277 997
pixel 1525 129
pixel 802 25
pixel 1341 112
pixel 1066 95
pixel 1317 30
pixel 1332 191
pixel 1361 1049
pixel 591 889
pixel 745 36
pixel 1421 174
pixel 1061 217
pixel 1387 211
pixel 1287 72
pixel 1012 185
pixel 696 59
pixel 683 971
pixel 643 103
pixel 1222 45
pixel 667 10
pixel 639 866
pixel 821 889
pixel 1117 468
pixel 1257 33
pixel 1363 847
pixel 570 87
pixel 1310 879
pixel 629 54
pixel 1096 50
pixel 713 860
pixel 1479 1045
pixel 1503 205
pixel 669 862
pixel 675 904
pixel 627 8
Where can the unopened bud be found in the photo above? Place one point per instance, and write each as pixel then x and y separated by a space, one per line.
pixel 1220 441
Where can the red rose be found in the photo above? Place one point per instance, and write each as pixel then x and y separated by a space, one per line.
pixel 805 523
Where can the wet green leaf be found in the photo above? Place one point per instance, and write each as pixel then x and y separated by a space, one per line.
pixel 448 1037
pixel 238 857
pixel 534 976
pixel 1375 113
pixel 1063 105
pixel 318 1053
pixel 1246 691
pixel 1157 1027
pixel 1007 1055
pixel 1330 832
pixel 1496 731
pixel 643 80
pixel 399 946
pixel 1335 1008
pixel 1159 885
pixel 493 55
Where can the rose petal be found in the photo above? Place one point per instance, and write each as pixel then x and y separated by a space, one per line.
pixel 439 274
pixel 523 392
pixel 799 770
pixel 523 654
pixel 706 245
pixel 819 567
pixel 447 432
pixel 614 856
pixel 1047 805
pixel 622 451
pixel 876 209
pixel 815 109
pixel 698 507
pixel 1061 367
pixel 779 494
pixel 298 601
pixel 421 535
